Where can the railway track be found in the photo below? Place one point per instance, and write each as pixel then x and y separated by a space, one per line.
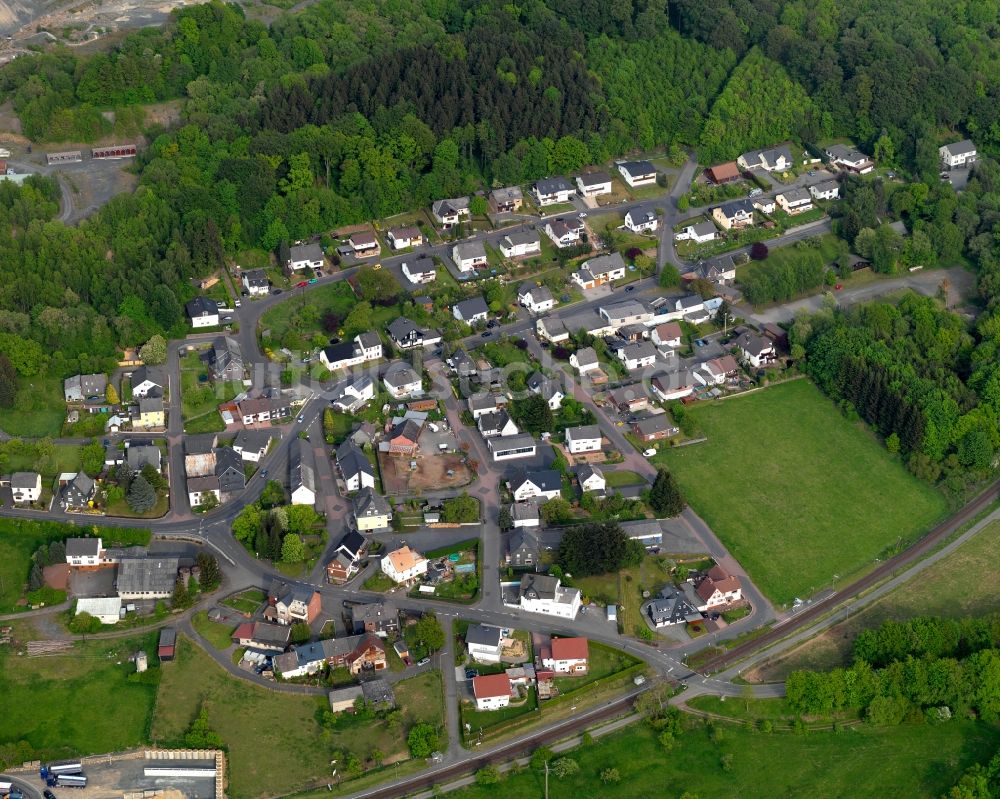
pixel 905 558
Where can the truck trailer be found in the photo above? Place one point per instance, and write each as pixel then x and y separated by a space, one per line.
pixel 53 770
pixel 71 781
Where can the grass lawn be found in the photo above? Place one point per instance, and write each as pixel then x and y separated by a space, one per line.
pixel 796 507
pixel 943 589
pixel 485 719
pixel 65 458
pixel 604 661
pixel 754 710
pixel 290 323
pixel 617 479
pixel 210 422
pixel 218 635
pixel 42 396
pixel 285 727
pixel 246 602
pixel 379 581
pixel 200 396
pixel 18 541
pixel 918 762
pixel 60 704
pixel 340 428
pixel 157 511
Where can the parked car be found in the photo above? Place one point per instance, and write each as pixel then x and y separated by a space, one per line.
pixel 756 192
pixel 629 288
pixel 276 291
pixel 486 334
pixel 649 453
pixel 302 284
pixel 237 304
pixel 312 280
pixel 423 661
pixel 470 673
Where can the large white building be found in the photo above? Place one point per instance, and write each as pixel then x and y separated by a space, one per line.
pixel 586 438
pixel 483 642
pixel 404 564
pixel 540 593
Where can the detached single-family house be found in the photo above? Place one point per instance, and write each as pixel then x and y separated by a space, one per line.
pixel 355 467
pixel 469 255
pixel 406 335
pixel 553 191
pixel 541 593
pixel 147 381
pixel 225 359
pixel 344 563
pixel 552 329
pixel 638 355
pixel 698 233
pixel 537 299
pixel 449 213
pixel 76 492
pixel 547 389
pixel 302 472
pixel 483 641
pixel 400 380
pixel 532 485
pixel 404 564
pixel 721 271
pixel 371 511
pixel 26 487
pixel 794 201
pixel 848 158
pixel 958 154
pixel 492 691
pixel 591 478
pixel 403 437
pixel 139 455
pixel 506 201
pixel 670 608
pixel 642 219
pixel 674 385
pixel 202 312
pixel 149 414
pixel 627 312
pixel 252 445
pixel 654 428
pixel 776 159
pixel 525 514
pixel 600 270
pixel 585 438
pixel 255 282
pixel 507 448
pixel 522 546
pixel 723 173
pixel 593 184
pixel 667 335
pixel 585 360
pixel 765 204
pixel 734 214
pixel 85 388
pixel 402 237
pixel 480 404
pixel 754 349
pixel 827 190
pixel 718 589
pixel 305 256
pixel 564 232
pixel 420 270
pixel 291 603
pixel 471 311
pixel 356 395
pixel 363 348
pixel 566 656
pixel 638 173
pixel 717 371
pixel 364 244
pixel 496 423
pixel 520 244
pixel 83 552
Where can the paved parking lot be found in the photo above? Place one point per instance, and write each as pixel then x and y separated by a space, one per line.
pixel 122 776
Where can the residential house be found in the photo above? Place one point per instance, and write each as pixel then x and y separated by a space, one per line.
pixel 406 335
pixel 630 398
pixel 522 546
pixel 775 159
pixel 734 214
pixel 958 154
pixel 628 312
pixel 483 641
pixel 404 564
pixel 492 691
pixel 252 445
pixel 147 381
pixel 225 359
pixel 717 371
pixel 401 380
pixel 585 438
pixel 139 455
pixel 794 201
pixel 667 335
pixel 547 389
pixel 552 329
pixel 402 237
pixel 764 204
pixel 723 173
pixel 541 593
pixel 827 190
pixel 698 233
pixel 375 618
pixel 202 312
pixel 363 348
pixel 506 201
pixel 449 213
pixel 151 414
pixel 146 578
pixel 346 557
pixel 403 437
pixel 552 191
pixel 229 470
pixel 718 589
pixel 591 479
pixel 530 485
pixel 848 158
pixel 525 514
pixel 674 385
pixel 480 404
pixel 537 299
pixel 199 489
pixel 638 355
pixel 85 388
pixel 585 360
pixel 26 487
pixel 255 282
pixel 642 219
pixel 420 270
pixel 566 656
pixel 76 492
pixel 302 472
pixel 654 428
pixel 512 447
pixel 638 173
pixel 721 271
pixel 564 232
pixel 496 423
pixel 261 635
pixel 305 256
pixel 754 349
pixel 355 395
pixel 371 511
pixel 471 311
pixel 355 467
pixel 600 270
pixel 520 244
pixel 469 255
pixel 83 552
pixel 670 608
pixel 358 654
pixel 593 184
pixel 291 603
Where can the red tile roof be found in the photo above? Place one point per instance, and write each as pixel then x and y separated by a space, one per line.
pixel 569 649
pixel 243 632
pixel 491 685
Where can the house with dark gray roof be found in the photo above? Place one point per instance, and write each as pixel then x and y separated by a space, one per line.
pixel 471 311
pixel 355 467
pixel 77 492
pixel 202 312
pixel 552 191
pixel 302 472
pixel 225 359
pixel 523 548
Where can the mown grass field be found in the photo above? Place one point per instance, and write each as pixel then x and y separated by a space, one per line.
pixel 42 397
pixel 796 492
pixel 918 762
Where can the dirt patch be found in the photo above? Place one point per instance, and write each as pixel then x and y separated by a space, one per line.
pixel 431 473
pixel 166 114
pixel 57 576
